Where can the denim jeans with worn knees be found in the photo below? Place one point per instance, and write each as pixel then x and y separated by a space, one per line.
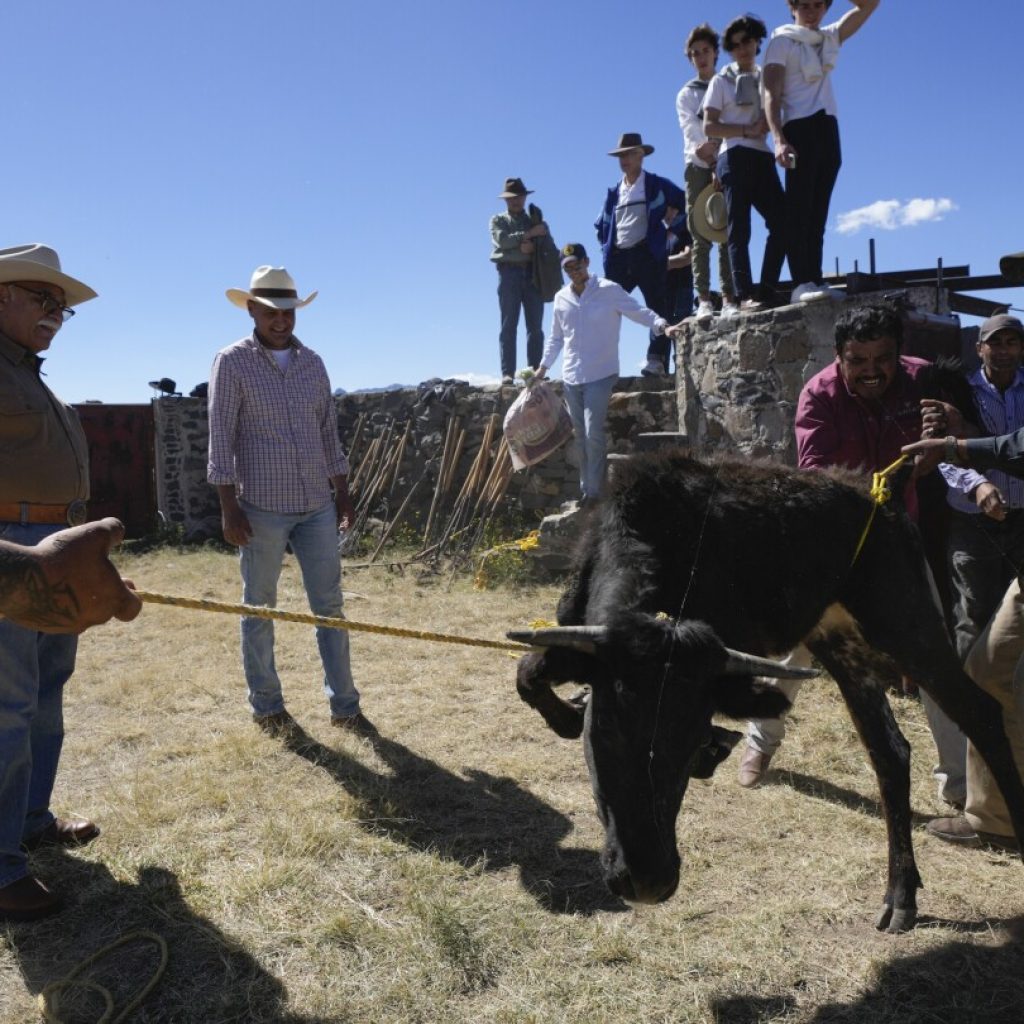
pixel 314 541
pixel 588 407
pixel 516 289
pixel 33 670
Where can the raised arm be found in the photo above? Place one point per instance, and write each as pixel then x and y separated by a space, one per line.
pixel 852 21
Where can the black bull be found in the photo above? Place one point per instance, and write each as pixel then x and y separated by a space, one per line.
pixel 758 558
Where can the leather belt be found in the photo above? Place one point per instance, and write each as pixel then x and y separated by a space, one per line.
pixel 25 512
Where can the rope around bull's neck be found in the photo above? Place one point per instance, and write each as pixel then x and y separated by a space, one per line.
pixel 880 494
pixel 327 622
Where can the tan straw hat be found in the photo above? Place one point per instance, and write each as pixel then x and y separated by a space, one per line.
pixel 36 262
pixel 710 219
pixel 270 286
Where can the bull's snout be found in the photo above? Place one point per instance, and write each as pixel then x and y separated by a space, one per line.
pixel 642 886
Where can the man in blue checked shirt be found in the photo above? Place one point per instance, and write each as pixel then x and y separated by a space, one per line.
pixel 986 535
pixel 282 478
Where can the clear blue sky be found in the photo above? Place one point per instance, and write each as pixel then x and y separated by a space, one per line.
pixel 166 150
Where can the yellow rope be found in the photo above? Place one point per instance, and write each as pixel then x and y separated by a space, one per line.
pixel 49 1002
pixel 880 494
pixel 327 622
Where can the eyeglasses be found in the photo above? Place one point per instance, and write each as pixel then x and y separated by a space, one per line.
pixel 47 302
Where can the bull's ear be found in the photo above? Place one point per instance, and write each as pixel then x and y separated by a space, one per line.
pixel 747 697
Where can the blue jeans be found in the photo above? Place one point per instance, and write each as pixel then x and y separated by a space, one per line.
pixel 588 407
pixel 515 289
pixel 314 540
pixel 33 670
pixel 749 179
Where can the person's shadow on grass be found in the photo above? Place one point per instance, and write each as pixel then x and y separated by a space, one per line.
pixel 957 981
pixel 209 976
pixel 481 820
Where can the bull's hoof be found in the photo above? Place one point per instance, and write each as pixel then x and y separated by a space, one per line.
pixel 896 921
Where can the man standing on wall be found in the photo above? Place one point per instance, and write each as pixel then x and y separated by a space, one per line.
pixel 633 233
pixel 282 479
pixel 801 110
pixel 513 234
pixel 700 155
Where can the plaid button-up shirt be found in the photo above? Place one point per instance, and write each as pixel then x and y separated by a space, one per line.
pixel 273 433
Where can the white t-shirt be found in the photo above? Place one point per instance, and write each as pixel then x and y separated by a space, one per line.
pixel 722 97
pixel 631 213
pixel 801 98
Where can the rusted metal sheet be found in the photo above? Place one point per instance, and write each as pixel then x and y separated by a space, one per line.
pixel 121 464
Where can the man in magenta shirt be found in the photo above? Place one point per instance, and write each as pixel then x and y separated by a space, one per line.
pixel 858 413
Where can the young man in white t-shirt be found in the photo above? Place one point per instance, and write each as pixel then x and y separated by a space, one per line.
pixel 700 154
pixel 801 111
pixel 733 112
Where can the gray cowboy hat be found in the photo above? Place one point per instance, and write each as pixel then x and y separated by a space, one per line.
pixel 628 141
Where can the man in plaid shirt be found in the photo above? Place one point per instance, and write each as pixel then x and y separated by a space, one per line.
pixel 282 478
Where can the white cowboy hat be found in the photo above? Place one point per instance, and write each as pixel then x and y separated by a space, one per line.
pixel 710 219
pixel 36 262
pixel 270 286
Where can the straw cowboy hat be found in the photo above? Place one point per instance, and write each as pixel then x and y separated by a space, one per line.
pixel 710 220
pixel 270 286
pixel 628 141
pixel 36 262
pixel 515 187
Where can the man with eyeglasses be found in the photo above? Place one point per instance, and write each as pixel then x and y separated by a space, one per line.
pixel 44 484
pixel 802 116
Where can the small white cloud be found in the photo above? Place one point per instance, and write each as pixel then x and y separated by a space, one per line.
pixel 476 380
pixel 890 214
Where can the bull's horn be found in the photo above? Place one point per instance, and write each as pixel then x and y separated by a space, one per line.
pixel 740 664
pixel 579 638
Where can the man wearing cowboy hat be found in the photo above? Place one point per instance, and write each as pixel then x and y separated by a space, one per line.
pixel 282 478
pixel 44 484
pixel 512 234
pixel 634 237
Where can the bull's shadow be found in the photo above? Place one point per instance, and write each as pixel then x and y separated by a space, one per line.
pixel 209 976
pixel 821 789
pixel 958 981
pixel 483 819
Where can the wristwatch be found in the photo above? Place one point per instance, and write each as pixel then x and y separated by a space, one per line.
pixel 952 454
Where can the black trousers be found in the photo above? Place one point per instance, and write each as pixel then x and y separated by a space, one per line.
pixel 809 191
pixel 637 268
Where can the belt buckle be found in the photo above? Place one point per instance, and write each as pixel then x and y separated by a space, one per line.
pixel 78 512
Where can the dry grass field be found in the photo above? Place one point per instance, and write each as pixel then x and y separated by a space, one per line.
pixel 448 871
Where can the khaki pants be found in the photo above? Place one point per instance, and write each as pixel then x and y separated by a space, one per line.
pixel 996 665
pixel 697 179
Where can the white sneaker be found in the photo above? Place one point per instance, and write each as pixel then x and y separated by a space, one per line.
pixel 654 368
pixel 704 310
pixel 730 310
pixel 752 306
pixel 809 292
pixel 833 293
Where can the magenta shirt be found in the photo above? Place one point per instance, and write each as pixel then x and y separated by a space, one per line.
pixel 834 427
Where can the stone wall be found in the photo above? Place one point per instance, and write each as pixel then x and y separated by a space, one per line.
pixel 185 499
pixel 739 380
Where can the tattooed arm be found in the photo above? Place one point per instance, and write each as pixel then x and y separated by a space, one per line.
pixel 66 583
